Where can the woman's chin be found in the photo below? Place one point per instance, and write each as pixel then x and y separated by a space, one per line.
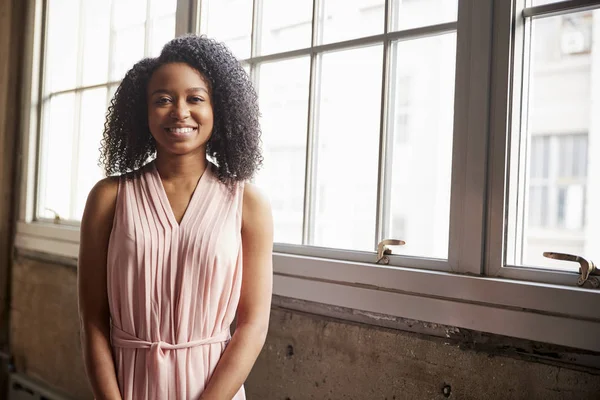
pixel 181 148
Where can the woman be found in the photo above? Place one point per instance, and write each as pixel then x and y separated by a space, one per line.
pixel 172 248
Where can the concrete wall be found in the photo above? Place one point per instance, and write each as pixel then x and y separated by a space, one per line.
pixel 11 12
pixel 306 356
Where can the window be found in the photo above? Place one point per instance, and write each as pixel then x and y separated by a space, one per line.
pixel 466 128
pixel 551 209
pixel 320 72
pixel 90 45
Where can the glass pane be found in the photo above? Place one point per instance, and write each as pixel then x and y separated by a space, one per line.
pixel 408 14
pixel 350 19
pixel 96 33
pixel 62 43
pixel 561 179
pixel 162 8
pixel 283 97
pixel 163 30
pixel 347 147
pixel 286 25
pixel 56 161
pixel 128 49
pixel 421 129
pixel 90 133
pixel 232 28
pixel 128 13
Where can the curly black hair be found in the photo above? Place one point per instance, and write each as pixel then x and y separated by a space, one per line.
pixel 234 145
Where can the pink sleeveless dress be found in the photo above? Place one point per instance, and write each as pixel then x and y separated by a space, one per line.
pixel 173 289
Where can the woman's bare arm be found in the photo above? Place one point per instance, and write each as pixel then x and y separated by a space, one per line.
pixel 94 313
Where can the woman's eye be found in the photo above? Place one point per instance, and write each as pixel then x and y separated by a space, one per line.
pixel 197 99
pixel 163 100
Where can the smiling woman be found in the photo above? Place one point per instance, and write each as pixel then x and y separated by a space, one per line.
pixel 234 142
pixel 180 244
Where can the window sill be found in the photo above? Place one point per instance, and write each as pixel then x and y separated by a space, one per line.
pixel 556 314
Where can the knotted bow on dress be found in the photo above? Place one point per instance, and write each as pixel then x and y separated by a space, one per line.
pixel 156 358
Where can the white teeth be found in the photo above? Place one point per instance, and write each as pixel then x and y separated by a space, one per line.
pixel 180 130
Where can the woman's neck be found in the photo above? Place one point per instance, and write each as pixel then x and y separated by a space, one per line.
pixel 184 166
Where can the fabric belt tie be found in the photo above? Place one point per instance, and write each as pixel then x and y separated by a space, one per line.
pixel 155 358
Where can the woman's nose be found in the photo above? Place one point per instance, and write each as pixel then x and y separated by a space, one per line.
pixel 180 111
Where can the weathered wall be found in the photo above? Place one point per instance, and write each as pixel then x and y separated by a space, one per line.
pixel 305 357
pixel 11 34
pixel 44 326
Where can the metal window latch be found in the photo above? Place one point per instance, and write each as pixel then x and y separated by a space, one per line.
pixel 587 267
pixel 57 218
pixel 383 250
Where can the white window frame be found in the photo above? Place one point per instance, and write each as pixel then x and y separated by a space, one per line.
pixel 509 87
pixel 535 305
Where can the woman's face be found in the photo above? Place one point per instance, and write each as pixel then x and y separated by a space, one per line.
pixel 180 113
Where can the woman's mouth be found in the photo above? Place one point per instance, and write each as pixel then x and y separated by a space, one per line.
pixel 181 131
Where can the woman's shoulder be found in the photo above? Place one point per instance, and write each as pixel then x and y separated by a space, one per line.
pixel 104 191
pixel 256 205
pixel 100 207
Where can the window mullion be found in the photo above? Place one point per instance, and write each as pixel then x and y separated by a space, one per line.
pixel 559 8
pixel 187 16
pixel 256 35
pixel 77 114
pixel 308 221
pixel 32 190
pixel 384 180
pixel 31 107
pixel 519 149
pixel 148 28
pixel 75 156
pixel 469 154
pixel 508 44
pixel 310 183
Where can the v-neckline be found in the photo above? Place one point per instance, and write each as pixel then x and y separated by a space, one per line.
pixel 165 199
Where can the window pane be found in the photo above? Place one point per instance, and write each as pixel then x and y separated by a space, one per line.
pixel 163 30
pixel 286 25
pixel 162 8
pixel 423 95
pixel 93 109
pixel 128 13
pixel 62 42
pixel 561 180
pixel 351 19
pixel 96 31
pixel 408 14
pixel 162 14
pixel 232 28
pixel 347 147
pixel 128 49
pixel 283 97
pixel 128 36
pixel 56 165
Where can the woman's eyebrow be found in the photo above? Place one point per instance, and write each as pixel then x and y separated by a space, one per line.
pixel 160 91
pixel 197 89
pixel 194 89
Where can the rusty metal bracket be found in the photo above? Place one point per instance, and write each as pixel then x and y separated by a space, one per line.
pixel 586 270
pixel 383 250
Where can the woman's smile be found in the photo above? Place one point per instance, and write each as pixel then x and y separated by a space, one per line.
pixel 181 131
